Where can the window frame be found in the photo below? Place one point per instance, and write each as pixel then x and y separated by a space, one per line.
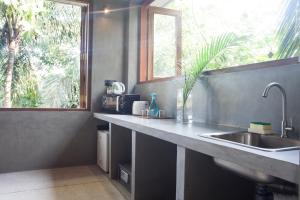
pixel 85 68
pixel 85 71
pixel 147 41
pixel 144 21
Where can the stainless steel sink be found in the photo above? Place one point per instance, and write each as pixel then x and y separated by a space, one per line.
pixel 271 143
pixel 258 141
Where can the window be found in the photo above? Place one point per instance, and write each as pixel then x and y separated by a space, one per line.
pixel 162 44
pixel 43 55
pixel 264 31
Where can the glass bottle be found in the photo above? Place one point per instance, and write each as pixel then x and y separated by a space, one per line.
pixel 153 109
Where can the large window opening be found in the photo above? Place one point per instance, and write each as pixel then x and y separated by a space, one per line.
pixel 263 31
pixel 164 43
pixel 43 54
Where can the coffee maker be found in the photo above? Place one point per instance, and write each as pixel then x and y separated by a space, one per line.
pixel 115 101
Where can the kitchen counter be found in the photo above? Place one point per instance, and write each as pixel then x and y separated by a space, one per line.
pixel 279 164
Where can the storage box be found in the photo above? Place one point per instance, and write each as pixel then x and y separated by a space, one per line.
pixel 125 175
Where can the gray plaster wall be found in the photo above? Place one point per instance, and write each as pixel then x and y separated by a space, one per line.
pixel 109 38
pixel 166 94
pixel 38 139
pixel 234 99
pixel 35 140
pixel 131 48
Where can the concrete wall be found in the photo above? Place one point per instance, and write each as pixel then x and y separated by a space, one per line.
pixel 109 32
pixel 166 94
pixel 132 46
pixel 34 140
pixel 234 98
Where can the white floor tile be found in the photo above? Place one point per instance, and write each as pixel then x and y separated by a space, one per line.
pixel 73 183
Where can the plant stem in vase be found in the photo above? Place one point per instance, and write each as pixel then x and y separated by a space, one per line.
pixel 184 108
pixel 209 54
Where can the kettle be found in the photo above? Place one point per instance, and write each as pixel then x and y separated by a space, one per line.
pixel 118 88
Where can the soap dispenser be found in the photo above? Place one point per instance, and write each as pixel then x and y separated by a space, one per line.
pixel 153 109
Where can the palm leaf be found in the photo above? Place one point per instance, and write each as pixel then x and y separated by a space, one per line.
pixel 209 52
pixel 288 33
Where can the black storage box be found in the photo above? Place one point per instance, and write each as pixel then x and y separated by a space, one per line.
pixel 125 175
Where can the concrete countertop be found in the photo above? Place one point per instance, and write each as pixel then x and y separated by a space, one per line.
pixel 280 164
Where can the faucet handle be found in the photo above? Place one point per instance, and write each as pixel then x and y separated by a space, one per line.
pixel 290 125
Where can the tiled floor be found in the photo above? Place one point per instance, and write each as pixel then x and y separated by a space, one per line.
pixel 71 183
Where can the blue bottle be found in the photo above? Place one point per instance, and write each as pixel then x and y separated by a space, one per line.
pixel 153 109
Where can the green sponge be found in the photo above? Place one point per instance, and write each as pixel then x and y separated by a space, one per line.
pixel 260 127
pixel 260 123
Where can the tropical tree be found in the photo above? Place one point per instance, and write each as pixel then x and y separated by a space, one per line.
pixel 59 45
pixel 45 64
pixel 25 81
pixel 288 33
pixel 19 17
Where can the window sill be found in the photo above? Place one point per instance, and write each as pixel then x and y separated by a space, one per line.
pixel 160 80
pixel 254 66
pixel 47 109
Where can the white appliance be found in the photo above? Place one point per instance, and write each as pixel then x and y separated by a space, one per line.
pixel 103 149
pixel 139 106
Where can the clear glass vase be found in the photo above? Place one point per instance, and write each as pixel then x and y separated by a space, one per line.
pixel 184 111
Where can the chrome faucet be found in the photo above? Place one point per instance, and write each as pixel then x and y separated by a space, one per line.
pixel 285 128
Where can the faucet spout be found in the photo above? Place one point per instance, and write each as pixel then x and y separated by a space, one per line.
pixel 284 124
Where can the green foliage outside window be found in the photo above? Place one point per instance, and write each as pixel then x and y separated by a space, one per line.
pixel 267 30
pixel 39 54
